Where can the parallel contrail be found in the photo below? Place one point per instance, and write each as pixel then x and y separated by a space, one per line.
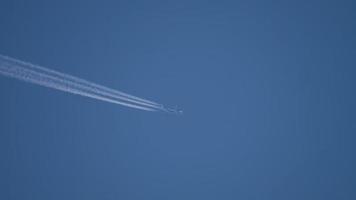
pixel 53 79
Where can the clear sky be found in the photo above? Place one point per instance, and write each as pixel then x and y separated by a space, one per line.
pixel 267 89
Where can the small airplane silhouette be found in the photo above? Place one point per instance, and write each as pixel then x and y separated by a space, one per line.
pixel 175 110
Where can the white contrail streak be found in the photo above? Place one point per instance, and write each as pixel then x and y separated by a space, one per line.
pixel 49 78
pixel 81 82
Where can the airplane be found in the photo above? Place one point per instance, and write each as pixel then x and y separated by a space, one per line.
pixel 175 110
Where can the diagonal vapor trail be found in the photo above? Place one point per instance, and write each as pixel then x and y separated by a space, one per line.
pixel 53 79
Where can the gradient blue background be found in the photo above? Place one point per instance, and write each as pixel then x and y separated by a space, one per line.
pixel 267 89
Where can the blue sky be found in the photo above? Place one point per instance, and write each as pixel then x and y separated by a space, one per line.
pixel 267 89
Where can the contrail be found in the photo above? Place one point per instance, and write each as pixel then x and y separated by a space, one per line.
pixel 53 79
